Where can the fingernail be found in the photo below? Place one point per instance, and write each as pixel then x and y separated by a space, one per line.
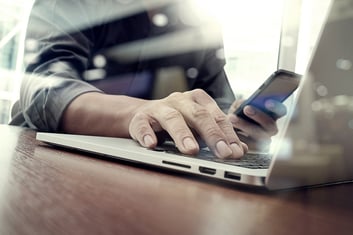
pixel 237 150
pixel 250 111
pixel 223 149
pixel 189 143
pixel 148 141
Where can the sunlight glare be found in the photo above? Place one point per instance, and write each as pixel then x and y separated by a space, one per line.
pixel 247 24
pixel 237 10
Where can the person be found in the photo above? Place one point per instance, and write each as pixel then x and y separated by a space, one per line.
pixel 92 68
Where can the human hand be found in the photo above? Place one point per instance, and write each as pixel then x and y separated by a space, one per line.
pixel 181 115
pixel 257 136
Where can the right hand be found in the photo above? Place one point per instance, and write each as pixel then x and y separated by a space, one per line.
pixel 181 115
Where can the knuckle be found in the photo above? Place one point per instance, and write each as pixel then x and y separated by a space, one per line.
pixel 172 114
pixel 221 118
pixel 138 128
pixel 196 93
pixel 174 96
pixel 200 112
pixel 223 121
pixel 137 121
pixel 141 130
pixel 139 116
pixel 213 133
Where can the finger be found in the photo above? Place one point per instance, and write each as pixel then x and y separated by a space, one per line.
pixel 264 120
pixel 140 130
pixel 245 147
pixel 235 105
pixel 249 130
pixel 212 125
pixel 173 122
pixel 238 148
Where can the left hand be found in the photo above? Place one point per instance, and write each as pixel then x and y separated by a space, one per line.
pixel 257 137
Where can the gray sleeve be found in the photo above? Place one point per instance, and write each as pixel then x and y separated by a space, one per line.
pixel 43 100
pixel 53 75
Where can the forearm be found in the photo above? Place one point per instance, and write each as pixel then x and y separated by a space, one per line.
pixel 96 113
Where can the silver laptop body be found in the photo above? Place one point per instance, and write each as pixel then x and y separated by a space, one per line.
pixel 315 147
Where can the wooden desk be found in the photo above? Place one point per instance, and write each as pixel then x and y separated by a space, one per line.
pixel 44 190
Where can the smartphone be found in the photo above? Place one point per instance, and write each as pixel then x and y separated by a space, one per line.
pixel 279 86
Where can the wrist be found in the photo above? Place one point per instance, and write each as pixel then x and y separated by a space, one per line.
pixel 95 113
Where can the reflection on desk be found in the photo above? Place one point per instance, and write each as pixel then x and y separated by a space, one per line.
pixel 46 190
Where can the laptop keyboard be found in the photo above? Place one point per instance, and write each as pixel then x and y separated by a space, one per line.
pixel 249 160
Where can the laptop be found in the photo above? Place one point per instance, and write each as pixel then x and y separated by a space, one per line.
pixel 314 147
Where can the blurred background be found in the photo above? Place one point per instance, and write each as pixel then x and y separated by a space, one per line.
pixel 259 37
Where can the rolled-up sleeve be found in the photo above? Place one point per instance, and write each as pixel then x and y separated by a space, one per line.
pixel 53 74
pixel 43 103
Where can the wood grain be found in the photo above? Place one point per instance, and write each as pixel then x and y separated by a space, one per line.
pixel 46 190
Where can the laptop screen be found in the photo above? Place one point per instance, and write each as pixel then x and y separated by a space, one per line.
pixel 320 133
